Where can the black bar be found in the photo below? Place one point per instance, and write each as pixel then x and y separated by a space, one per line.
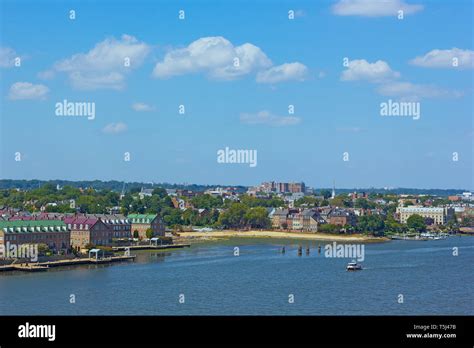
pixel 88 331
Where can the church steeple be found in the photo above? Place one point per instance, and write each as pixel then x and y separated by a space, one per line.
pixel 333 195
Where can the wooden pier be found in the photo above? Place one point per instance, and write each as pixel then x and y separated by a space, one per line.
pixel 151 247
pixel 44 266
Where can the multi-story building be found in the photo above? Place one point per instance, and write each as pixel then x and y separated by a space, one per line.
pixel 439 215
pixel 306 220
pixel 311 220
pixel 282 187
pixel 142 222
pixel 342 217
pixel 88 230
pixel 295 187
pixel 119 224
pixel 279 217
pixel 53 233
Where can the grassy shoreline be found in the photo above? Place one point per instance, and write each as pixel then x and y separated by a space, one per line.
pixel 225 234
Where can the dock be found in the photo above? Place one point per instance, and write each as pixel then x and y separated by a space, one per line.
pixel 151 247
pixel 44 266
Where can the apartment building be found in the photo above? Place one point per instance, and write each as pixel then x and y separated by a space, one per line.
pixel 142 222
pixel 53 233
pixel 439 215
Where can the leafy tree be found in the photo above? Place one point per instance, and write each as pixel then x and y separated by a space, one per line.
pixel 416 222
pixel 257 218
pixel 136 234
pixel 326 194
pixel 328 228
pixel 160 192
pixel 206 201
pixel 307 200
pixel 393 226
pixel 373 224
pixel 149 233
pixel 364 204
pixel 234 217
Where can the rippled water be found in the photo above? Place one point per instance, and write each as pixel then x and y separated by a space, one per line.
pixel 259 281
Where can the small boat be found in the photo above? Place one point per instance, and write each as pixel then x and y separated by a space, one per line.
pixel 353 266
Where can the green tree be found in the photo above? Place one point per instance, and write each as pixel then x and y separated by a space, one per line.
pixel 416 222
pixel 328 228
pixel 234 217
pixel 373 224
pixel 160 192
pixel 149 233
pixel 257 218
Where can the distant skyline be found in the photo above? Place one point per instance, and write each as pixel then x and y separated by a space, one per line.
pixel 238 68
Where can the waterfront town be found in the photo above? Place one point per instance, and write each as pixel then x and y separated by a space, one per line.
pixel 66 220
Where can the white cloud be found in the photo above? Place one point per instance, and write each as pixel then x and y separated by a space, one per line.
pixel 27 90
pixel 104 66
pixel 410 91
pixel 142 107
pixel 285 72
pixel 374 8
pixel 267 118
pixel 115 128
pixel 109 80
pixel 445 59
pixel 215 56
pixel 360 69
pixel 7 57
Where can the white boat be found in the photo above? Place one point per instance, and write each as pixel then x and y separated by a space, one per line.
pixel 353 266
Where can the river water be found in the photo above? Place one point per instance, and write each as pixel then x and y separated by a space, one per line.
pixel 399 277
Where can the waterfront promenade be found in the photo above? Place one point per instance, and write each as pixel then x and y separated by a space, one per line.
pixel 41 266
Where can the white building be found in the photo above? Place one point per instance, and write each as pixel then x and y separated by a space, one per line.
pixel 439 215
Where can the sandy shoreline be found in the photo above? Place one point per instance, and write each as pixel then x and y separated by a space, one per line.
pixel 216 235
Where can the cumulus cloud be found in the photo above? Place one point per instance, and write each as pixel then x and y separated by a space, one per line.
pixel 7 57
pixel 285 72
pixel 215 56
pixel 374 8
pixel 360 69
pixel 446 59
pixel 105 65
pixel 267 118
pixel 411 91
pixel 142 107
pixel 115 128
pixel 27 90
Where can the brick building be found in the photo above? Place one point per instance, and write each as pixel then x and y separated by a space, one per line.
pixel 119 224
pixel 88 230
pixel 142 222
pixel 53 233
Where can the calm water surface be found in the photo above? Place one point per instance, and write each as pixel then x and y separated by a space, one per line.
pixel 258 282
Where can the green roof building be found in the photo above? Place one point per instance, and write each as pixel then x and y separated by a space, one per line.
pixel 143 222
pixel 53 233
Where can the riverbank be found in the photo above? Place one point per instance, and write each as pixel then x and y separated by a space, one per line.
pixel 190 237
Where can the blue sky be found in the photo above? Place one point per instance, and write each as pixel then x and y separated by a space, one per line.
pixel 281 62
